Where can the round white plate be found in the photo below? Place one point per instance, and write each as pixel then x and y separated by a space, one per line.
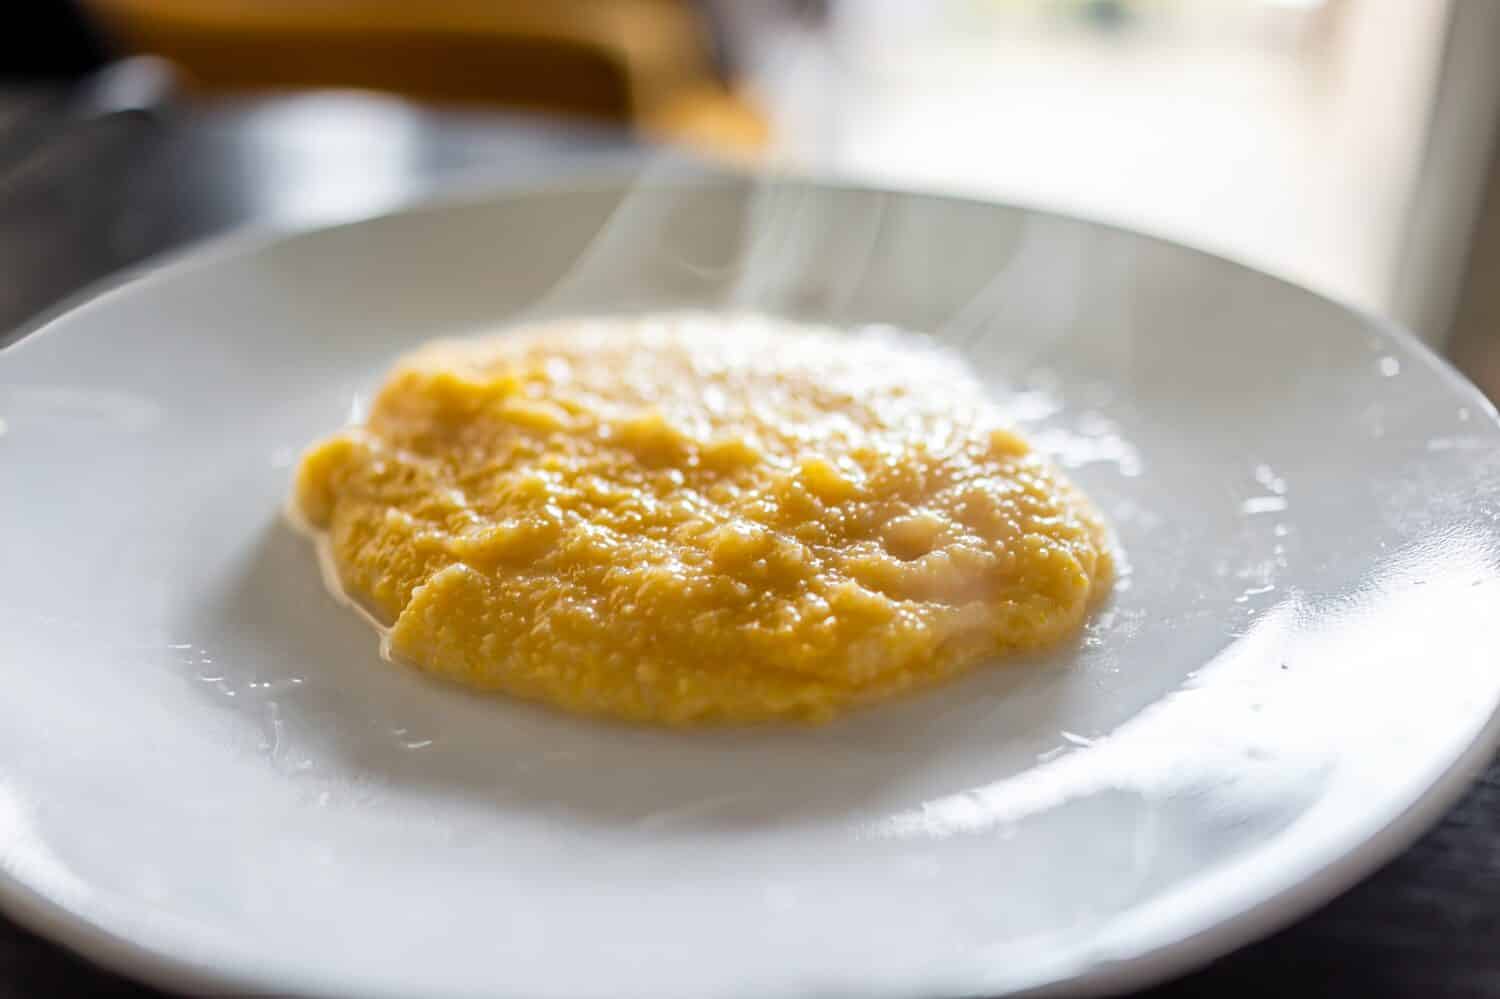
pixel 208 777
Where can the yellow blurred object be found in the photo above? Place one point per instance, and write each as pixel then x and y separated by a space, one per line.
pixel 710 119
pixel 640 62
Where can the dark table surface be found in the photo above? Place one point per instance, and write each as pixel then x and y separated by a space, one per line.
pixel 83 199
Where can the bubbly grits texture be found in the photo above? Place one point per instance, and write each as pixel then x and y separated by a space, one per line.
pixel 698 518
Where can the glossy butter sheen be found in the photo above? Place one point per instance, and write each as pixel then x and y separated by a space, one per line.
pixel 698 518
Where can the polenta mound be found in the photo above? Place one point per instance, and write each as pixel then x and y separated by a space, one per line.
pixel 698 519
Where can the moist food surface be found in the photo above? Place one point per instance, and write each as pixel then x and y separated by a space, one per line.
pixel 698 518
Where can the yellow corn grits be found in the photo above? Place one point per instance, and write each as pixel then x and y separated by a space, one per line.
pixel 698 518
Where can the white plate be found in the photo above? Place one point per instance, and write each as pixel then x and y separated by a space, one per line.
pixel 209 778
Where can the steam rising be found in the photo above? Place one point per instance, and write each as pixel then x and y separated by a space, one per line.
pixel 688 235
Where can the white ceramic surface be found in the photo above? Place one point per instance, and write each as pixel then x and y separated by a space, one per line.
pixel 208 777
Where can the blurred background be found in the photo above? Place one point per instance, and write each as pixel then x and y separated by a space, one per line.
pixel 1344 144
